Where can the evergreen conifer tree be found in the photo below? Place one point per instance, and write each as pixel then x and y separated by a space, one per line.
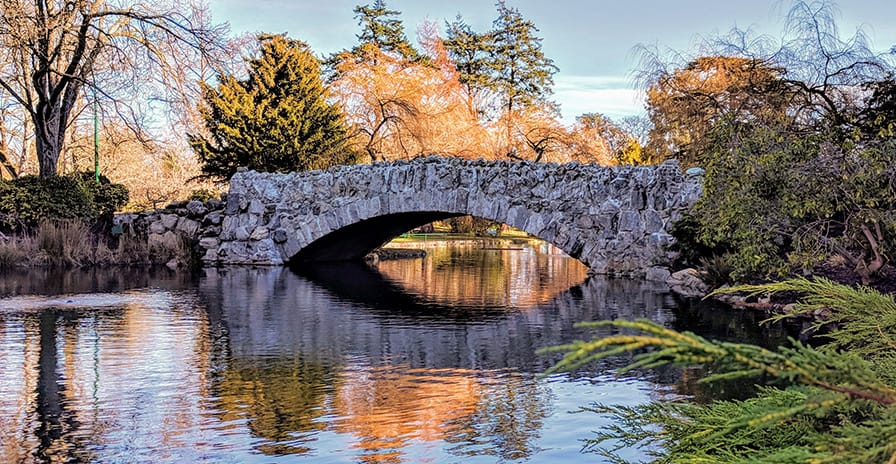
pixel 508 63
pixel 470 52
pixel 507 60
pixel 520 71
pixel 381 28
pixel 277 120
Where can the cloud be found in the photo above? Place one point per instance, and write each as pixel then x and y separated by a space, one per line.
pixel 613 96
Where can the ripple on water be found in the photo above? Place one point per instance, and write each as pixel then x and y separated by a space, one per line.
pixel 263 365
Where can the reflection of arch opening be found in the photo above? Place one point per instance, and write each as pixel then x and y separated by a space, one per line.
pixel 354 241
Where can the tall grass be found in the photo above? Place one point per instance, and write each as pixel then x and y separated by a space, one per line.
pixel 15 251
pixel 67 242
pixel 71 243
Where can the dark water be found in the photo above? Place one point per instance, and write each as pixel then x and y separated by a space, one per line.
pixel 419 361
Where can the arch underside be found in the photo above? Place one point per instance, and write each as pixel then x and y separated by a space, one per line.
pixel 355 241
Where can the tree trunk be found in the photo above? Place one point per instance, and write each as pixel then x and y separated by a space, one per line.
pixel 50 124
pixel 47 147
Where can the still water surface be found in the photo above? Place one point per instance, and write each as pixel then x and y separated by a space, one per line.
pixel 427 360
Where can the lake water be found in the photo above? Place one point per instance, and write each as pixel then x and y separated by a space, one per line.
pixel 427 360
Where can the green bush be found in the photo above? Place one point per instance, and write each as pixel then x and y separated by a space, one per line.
pixel 202 195
pixel 690 249
pixel 107 198
pixel 776 199
pixel 28 200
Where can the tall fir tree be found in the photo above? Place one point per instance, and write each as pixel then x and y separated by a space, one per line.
pixel 520 70
pixel 381 28
pixel 507 59
pixel 470 52
pixel 506 63
pixel 277 120
pixel 521 73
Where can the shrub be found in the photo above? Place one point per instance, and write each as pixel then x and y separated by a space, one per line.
pixel 28 200
pixel 776 198
pixel 687 243
pixel 107 198
pixel 202 195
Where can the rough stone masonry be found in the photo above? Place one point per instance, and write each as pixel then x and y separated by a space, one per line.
pixel 614 219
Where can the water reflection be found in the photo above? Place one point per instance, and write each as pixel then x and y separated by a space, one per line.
pixel 401 370
pixel 346 364
pixel 486 273
pixel 387 408
pixel 283 312
pixel 102 377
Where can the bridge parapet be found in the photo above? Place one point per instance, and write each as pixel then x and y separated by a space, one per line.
pixel 614 219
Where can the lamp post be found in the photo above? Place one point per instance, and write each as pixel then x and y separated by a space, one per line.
pixel 96 139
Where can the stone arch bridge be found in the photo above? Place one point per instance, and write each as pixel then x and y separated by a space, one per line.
pixel 614 219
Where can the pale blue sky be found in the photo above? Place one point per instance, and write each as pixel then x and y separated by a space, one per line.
pixel 590 41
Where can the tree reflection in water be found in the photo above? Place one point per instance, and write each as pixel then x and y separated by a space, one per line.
pixel 394 377
pixel 417 361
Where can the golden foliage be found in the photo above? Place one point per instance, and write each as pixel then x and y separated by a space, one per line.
pixel 401 109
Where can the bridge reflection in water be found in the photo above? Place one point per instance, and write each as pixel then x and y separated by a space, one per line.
pixel 349 364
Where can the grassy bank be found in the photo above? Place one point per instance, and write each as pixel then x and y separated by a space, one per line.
pixel 71 243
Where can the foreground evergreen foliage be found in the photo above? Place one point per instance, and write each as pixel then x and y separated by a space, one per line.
pixel 836 403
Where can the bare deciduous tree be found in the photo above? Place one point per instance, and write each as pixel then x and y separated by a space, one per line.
pixel 51 51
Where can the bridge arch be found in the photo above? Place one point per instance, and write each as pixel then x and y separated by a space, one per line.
pixel 613 219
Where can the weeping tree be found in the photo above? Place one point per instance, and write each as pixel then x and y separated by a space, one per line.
pixel 53 52
pixel 796 135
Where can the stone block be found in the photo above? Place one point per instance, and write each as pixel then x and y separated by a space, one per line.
pixel 653 222
pixel 166 241
pixel 610 205
pixel 196 209
pixel 585 222
pixel 213 219
pixel 657 274
pixel 280 236
pixel 233 203
pixel 638 199
pixel 157 228
pixel 249 221
pixel 241 233
pixel 629 221
pixel 255 207
pixel 210 257
pixel 188 227
pixel 168 220
pixel 259 233
pixel 209 242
